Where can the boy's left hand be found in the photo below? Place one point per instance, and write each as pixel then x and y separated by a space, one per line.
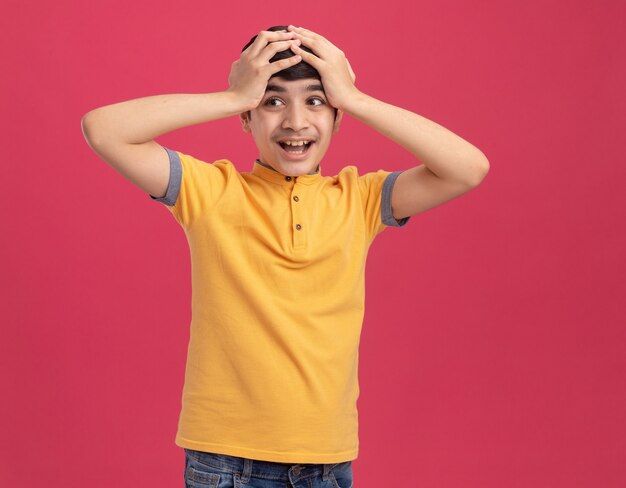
pixel 332 65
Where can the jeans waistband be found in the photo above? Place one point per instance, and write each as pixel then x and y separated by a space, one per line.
pixel 264 469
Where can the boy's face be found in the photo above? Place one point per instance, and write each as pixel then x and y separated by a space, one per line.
pixel 292 110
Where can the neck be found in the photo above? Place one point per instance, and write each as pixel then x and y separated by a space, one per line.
pixel 268 166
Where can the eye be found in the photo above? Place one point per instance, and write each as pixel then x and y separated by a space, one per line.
pixel 270 100
pixel 321 100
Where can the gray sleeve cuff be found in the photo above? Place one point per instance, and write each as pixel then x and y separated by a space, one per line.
pixel 385 202
pixel 173 186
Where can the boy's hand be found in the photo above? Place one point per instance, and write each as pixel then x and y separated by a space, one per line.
pixel 250 73
pixel 331 63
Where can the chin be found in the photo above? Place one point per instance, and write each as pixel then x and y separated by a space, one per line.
pixel 295 168
pixel 304 171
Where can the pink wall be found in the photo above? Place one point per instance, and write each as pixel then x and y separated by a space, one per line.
pixel 493 349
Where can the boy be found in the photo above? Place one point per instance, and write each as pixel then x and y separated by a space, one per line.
pixel 278 254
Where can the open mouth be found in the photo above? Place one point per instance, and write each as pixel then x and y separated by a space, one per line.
pixel 296 150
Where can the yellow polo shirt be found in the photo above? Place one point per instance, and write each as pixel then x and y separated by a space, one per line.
pixel 278 290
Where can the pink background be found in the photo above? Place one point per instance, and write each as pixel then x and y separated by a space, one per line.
pixel 493 349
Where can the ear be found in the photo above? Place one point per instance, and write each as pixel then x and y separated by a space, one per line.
pixel 245 121
pixel 337 121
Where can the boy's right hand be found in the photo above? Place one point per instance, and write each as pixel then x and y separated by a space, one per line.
pixel 250 73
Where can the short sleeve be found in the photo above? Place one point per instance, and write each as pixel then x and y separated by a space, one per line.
pixel 376 190
pixel 194 186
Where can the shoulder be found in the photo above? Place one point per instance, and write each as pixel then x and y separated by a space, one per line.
pixel 347 173
pixel 195 164
pixel 362 178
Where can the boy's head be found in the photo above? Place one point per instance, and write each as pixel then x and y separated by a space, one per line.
pixel 294 108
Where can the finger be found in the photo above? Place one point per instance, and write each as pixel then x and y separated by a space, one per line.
pixel 282 64
pixel 308 36
pixel 308 33
pixel 266 37
pixel 310 58
pixel 273 47
pixel 302 33
pixel 314 45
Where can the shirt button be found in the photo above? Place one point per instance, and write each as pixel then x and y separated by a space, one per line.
pixel 298 226
pixel 288 178
pixel 296 198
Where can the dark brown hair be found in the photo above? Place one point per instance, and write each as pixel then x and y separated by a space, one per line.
pixel 298 71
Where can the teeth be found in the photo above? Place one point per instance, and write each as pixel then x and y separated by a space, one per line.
pixel 296 143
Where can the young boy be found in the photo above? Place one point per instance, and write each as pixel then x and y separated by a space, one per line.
pixel 278 253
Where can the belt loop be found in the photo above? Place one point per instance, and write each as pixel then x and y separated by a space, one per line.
pixel 247 470
pixel 327 469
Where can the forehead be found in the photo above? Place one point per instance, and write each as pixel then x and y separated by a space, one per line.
pixel 307 85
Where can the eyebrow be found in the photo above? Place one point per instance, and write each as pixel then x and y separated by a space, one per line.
pixel 280 89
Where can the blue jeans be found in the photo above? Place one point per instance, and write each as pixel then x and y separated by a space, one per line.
pixel 210 470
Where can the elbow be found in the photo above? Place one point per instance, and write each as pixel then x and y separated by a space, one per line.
pixel 87 127
pixel 480 172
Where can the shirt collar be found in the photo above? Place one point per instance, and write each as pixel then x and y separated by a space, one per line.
pixel 268 173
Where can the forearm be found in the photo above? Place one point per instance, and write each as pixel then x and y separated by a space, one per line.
pixel 444 153
pixel 143 119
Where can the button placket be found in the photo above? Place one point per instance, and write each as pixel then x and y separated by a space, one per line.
pixel 299 237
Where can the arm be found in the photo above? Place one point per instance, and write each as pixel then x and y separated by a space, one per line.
pixel 123 133
pixel 444 153
pixel 452 166
pixel 143 119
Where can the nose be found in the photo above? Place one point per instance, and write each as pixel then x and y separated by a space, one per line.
pixel 296 118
